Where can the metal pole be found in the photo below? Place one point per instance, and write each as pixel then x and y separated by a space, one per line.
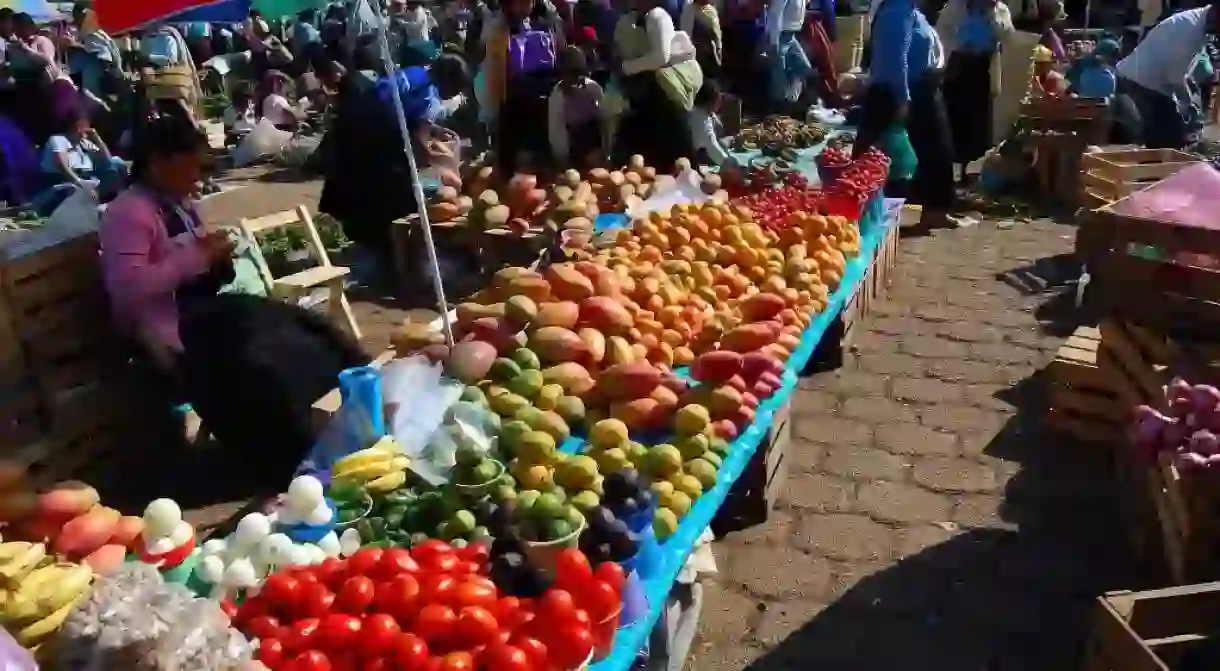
pixel 416 186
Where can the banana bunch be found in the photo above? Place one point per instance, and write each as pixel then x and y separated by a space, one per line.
pixel 39 591
pixel 379 469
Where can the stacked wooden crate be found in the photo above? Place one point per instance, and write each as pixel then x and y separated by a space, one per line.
pixel 60 365
pixel 1100 374
pixel 1116 172
pixel 1155 630
pixel 1063 129
pixel 762 482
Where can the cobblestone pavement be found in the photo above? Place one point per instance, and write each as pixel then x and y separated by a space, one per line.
pixel 929 520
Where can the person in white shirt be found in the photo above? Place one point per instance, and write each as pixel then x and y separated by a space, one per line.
pixel 790 66
pixel 274 105
pixel 578 119
pixel 1154 76
pixel 705 129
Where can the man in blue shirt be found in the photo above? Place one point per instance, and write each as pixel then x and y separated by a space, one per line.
pixel 904 88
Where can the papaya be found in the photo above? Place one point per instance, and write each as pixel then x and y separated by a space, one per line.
pixel 628 381
pixel 606 315
pixel 748 338
pixel 761 307
pixel 716 367
pixel 755 364
pixel 567 283
pixel 555 344
pixel 564 314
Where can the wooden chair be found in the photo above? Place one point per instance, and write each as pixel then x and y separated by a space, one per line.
pixel 298 285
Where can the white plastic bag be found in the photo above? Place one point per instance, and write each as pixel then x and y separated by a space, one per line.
pixel 78 213
pixel 685 190
pixel 297 151
pixel 264 140
pixel 417 399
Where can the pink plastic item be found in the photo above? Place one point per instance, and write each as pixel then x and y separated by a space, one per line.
pixel 13 657
pixel 1186 198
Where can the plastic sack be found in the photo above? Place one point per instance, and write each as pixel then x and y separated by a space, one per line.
pixel 417 399
pixel 298 150
pixel 13 657
pixel 349 431
pixel 264 140
pixel 686 190
pixel 467 426
pixel 78 213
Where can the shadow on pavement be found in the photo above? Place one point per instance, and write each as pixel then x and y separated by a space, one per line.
pixel 1015 596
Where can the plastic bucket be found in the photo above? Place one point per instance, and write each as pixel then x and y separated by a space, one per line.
pixel 542 555
pixel 648 560
pixel 475 492
pixel 635 600
pixel 603 635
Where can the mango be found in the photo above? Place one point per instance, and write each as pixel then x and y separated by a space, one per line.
pixel 527 383
pixel 724 401
pixel 595 341
pixel 511 433
pixel 470 361
pixel 509 405
pixel 526 359
pixel 536 447
pixel 761 307
pixel 618 351
pixel 703 471
pixel 545 420
pixel 606 315
pixel 520 311
pixel 548 396
pixel 571 409
pixel 503 370
pixel 692 447
pixel 608 433
pixel 573 377
pixel 468 313
pixel 663 461
pixel 629 381
pixel 536 289
pixel 716 367
pixel 567 283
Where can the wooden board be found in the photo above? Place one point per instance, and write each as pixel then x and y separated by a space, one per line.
pixel 1153 629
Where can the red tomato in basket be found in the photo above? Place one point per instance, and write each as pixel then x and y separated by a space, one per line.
pixel 315 600
pixel 475 626
pixel 364 562
pixel 270 653
pixel 571 646
pixel 356 595
pixel 378 635
pixel 435 624
pixel 283 591
pixel 312 660
pixel 410 651
pixel 339 631
pixel 572 570
pixel 400 597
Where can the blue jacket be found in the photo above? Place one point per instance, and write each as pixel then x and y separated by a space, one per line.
pixel 902 42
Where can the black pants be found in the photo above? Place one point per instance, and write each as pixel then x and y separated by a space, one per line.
pixel 927 125
pixel 654 127
pixel 968 101
pixel 1161 124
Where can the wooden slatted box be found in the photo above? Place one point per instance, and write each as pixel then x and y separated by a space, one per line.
pixel 1115 173
pixel 1154 630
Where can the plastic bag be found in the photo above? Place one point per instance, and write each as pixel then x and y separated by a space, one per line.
pixel 686 190
pixel 298 150
pixel 417 399
pixel 78 213
pixel 349 430
pixel 264 140
pixel 13 657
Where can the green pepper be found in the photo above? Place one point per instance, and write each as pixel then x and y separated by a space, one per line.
pixel 365 528
pixel 394 517
pixel 379 526
pixel 383 543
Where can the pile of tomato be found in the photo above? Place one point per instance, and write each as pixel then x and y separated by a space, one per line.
pixel 772 206
pixel 862 178
pixel 430 608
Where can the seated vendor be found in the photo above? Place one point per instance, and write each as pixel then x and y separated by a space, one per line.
pixel 1093 75
pixel 1046 82
pixel 705 128
pixel 274 103
pixel 77 158
pixel 250 366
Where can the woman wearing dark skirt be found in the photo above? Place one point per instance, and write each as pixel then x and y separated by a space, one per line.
pixel 904 88
pixel 658 84
pixel 519 76
pixel 972 32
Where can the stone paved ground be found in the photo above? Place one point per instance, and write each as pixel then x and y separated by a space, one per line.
pixel 929 520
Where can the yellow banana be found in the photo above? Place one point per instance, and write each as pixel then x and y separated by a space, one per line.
pixel 384 449
pixel 71 581
pixel 364 462
pixel 387 483
pixel 33 634
pixel 23 562
pixel 363 474
pixel 26 601
pixel 10 550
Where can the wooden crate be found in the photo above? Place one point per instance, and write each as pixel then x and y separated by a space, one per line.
pixel 1152 630
pixel 1187 505
pixel 761 484
pixel 1114 174
pixel 839 335
pixel 1177 300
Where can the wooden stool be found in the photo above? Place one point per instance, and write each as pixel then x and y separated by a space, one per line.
pixel 300 284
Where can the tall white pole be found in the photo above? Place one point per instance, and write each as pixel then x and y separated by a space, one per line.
pixel 420 202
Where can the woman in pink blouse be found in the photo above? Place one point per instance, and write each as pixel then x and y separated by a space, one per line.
pixel 250 366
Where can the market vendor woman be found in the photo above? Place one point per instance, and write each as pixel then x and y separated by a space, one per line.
pixel 250 366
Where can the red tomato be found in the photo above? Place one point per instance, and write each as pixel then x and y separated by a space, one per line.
pixel 571 646
pixel 250 609
pixel 581 616
pixel 306 577
pixel 557 606
pixel 378 664
pixel 475 552
pixel 410 651
pixel 534 649
pixel 441 563
pixel 312 660
pixel 474 591
pixel 364 562
pixel 600 599
pixel 270 653
pixel 437 588
pixel 503 657
pixel 467 567
pixel 332 572
pixel 378 634
pixel 458 661
pixel 338 631
pixel 612 573
pixel 476 626
pixel 341 661
pixel 316 600
pixel 429 549
pixel 356 595
pixel 435 623
pixel 228 608
pixel 263 626
pixel 395 561
pixel 302 634
pixel 283 591
pixel 572 570
pixel 399 597
pixel 507 611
